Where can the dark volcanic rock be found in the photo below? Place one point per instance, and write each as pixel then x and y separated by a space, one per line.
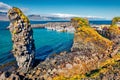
pixel 22 37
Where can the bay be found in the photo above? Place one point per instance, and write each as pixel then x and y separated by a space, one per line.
pixel 46 42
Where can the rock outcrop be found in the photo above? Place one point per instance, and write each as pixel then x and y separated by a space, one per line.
pixel 22 37
pixel 114 34
pixel 89 58
pixel 88 41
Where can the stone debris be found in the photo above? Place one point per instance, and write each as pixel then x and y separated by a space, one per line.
pixel 4 75
pixel 22 37
pixel 68 66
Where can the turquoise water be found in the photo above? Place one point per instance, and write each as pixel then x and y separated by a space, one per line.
pixel 46 42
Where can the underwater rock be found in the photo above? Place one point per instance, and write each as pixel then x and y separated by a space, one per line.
pixel 22 37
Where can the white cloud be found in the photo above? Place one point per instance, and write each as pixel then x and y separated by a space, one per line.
pixel 94 17
pixel 4 7
pixel 24 9
pixel 74 15
pixel 65 15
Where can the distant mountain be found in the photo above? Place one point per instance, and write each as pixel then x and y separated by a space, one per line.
pixel 3 13
pixel 3 16
pixel 58 17
pixel 34 17
pixel 46 17
pixel 95 18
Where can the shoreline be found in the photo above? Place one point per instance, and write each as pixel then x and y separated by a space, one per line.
pixel 63 56
pixel 10 66
pixel 55 26
pixel 66 26
pixel 79 60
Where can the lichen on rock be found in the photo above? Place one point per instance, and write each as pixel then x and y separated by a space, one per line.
pixel 88 40
pixel 22 38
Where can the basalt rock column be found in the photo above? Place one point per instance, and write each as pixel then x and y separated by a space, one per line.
pixel 22 37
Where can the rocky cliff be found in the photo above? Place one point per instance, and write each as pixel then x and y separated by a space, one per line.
pixel 87 40
pixel 90 57
pixel 114 34
pixel 22 38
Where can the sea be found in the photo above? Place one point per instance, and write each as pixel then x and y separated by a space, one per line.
pixel 47 42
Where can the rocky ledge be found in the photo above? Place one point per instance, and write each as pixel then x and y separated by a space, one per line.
pixel 70 66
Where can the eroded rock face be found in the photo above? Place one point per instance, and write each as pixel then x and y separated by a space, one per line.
pixel 22 37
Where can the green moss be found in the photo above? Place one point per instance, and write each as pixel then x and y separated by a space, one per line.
pixel 109 65
pixel 21 14
pixel 115 19
pixel 93 72
pixel 79 22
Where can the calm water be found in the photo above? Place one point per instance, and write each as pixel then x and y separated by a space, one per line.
pixel 46 42
pixel 101 22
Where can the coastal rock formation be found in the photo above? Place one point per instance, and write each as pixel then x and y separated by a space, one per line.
pixel 114 30
pixel 89 52
pixel 22 37
pixel 114 34
pixel 88 40
pixel 89 58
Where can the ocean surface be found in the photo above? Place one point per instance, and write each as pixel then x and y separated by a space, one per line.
pixel 46 42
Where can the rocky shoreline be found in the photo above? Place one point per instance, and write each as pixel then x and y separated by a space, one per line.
pixel 61 64
pixel 92 56
pixel 55 26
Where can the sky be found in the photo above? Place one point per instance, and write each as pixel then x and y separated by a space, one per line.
pixel 83 8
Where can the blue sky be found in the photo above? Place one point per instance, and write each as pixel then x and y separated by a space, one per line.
pixel 98 8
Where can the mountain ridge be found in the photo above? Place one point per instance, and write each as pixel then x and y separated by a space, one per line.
pixel 34 17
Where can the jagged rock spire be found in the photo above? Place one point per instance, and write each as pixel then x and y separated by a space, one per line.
pixel 22 37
